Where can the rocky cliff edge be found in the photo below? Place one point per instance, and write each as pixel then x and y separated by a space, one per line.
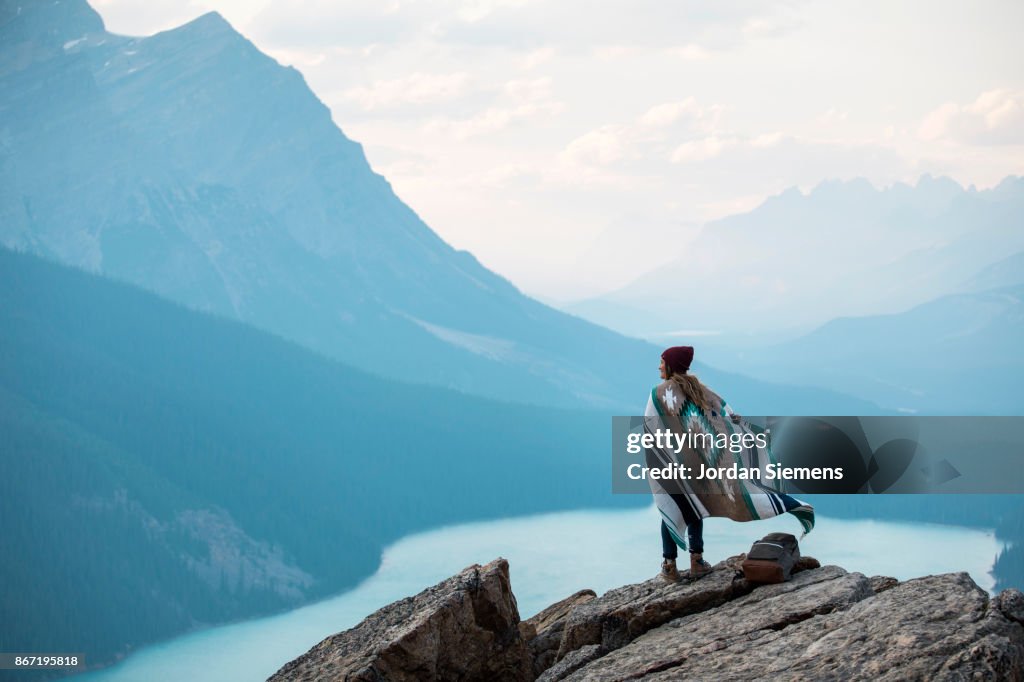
pixel 825 623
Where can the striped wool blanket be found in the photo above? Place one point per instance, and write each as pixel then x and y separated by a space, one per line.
pixel 741 499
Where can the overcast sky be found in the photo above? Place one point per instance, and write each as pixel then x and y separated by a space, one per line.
pixel 573 145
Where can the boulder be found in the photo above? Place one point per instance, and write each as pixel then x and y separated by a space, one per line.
pixel 1011 603
pixel 544 630
pixel 464 628
pixel 881 583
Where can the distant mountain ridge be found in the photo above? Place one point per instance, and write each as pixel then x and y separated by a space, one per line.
pixel 1004 273
pixel 842 249
pixel 958 354
pixel 909 296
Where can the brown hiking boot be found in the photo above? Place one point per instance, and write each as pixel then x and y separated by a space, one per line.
pixel 698 566
pixel 669 572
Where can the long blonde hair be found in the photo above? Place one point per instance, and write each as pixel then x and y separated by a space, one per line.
pixel 692 390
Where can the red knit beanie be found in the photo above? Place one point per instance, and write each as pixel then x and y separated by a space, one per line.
pixel 678 358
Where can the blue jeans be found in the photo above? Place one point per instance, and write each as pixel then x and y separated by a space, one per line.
pixel 694 533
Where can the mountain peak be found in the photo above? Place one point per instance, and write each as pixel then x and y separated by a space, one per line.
pixel 1009 185
pixel 854 188
pixel 940 183
pixel 49 23
pixel 207 27
pixel 211 21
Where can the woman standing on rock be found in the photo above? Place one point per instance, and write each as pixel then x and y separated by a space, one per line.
pixel 675 365
pixel 684 406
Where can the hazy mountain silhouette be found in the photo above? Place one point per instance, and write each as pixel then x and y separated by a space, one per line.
pixel 1004 273
pixel 958 354
pixel 799 260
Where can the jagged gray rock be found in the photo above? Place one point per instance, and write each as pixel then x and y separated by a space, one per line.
pixel 696 637
pixel 823 623
pixel 830 624
pixel 464 628
pixel 622 614
pixel 881 583
pixel 1011 603
pixel 544 630
pixel 571 663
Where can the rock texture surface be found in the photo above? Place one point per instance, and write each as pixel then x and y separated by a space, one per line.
pixel 829 626
pixel 464 628
pixel 825 623
pixel 544 632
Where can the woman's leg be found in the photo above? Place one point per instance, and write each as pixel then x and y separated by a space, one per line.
pixel 694 523
pixel 695 532
pixel 668 545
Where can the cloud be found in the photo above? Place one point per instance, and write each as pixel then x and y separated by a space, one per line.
pixel 504 175
pixel 518 100
pixel 417 88
pixel 832 117
pixel 684 144
pixel 752 163
pixel 490 120
pixel 702 149
pixel 529 90
pixel 701 118
pixel 691 52
pixel 123 16
pixel 535 58
pixel 668 113
pixel 996 117
pixel 598 147
pixel 298 58
pixel 521 24
pixel 677 130
pixel 472 11
pixel 324 23
pixel 769 26
pixel 766 140
pixel 623 23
